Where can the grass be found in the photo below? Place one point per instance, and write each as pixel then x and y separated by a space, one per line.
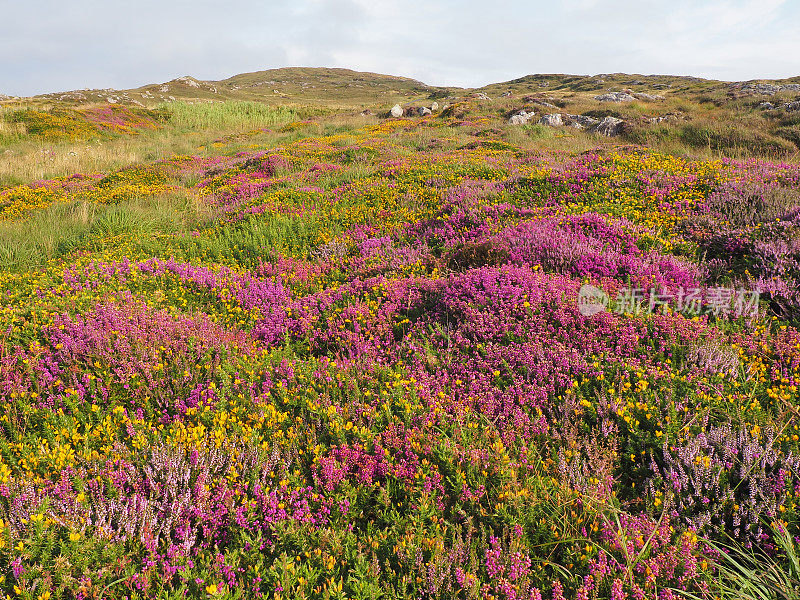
pixel 187 128
pixel 225 115
pixel 67 227
pixel 752 574
pixel 9 131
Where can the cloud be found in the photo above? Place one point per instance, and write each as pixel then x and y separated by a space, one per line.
pixel 47 45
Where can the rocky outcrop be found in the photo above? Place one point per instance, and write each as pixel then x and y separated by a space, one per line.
pixel 669 118
pixel 615 97
pixel 609 127
pixel 552 120
pixel 520 117
pixel 583 121
pixel 648 97
pixel 765 89
pixel 186 80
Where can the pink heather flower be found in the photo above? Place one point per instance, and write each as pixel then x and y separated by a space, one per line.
pixel 558 591
pixel 617 593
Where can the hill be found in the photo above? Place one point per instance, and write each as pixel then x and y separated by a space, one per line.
pixel 306 85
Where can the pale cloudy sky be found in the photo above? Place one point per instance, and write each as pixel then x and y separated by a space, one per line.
pixel 55 45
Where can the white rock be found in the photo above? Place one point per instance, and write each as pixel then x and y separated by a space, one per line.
pixel 615 97
pixel 188 81
pixel 610 126
pixel 397 111
pixel 434 106
pixel 648 97
pixel 520 118
pixel 553 120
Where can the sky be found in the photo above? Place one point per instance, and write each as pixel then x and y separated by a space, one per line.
pixel 57 45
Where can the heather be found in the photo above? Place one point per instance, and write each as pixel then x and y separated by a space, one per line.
pixel 350 362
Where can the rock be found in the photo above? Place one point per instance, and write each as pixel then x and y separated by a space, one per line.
pixel 397 111
pixel 670 117
pixel 506 95
pixel 520 118
pixel 553 120
pixel 792 106
pixel 765 89
pixel 366 113
pixel 186 80
pixel 434 106
pixel 423 111
pixel 610 126
pixel 648 97
pixel 576 125
pixel 615 97
pixel 583 120
pixel 766 106
pixel 480 96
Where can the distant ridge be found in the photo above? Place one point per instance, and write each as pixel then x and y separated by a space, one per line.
pixel 345 88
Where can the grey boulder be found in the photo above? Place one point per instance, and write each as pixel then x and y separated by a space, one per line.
pixel 520 118
pixel 615 97
pixel 553 120
pixel 610 126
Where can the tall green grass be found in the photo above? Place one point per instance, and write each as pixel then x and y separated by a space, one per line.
pixel 226 115
pixel 9 131
pixel 66 227
pixel 755 574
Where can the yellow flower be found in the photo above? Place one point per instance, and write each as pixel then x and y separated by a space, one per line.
pixel 74 537
pixel 213 589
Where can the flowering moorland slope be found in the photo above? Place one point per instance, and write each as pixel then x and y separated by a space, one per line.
pixel 366 374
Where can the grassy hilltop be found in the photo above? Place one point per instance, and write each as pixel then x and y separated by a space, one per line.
pixel 281 345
